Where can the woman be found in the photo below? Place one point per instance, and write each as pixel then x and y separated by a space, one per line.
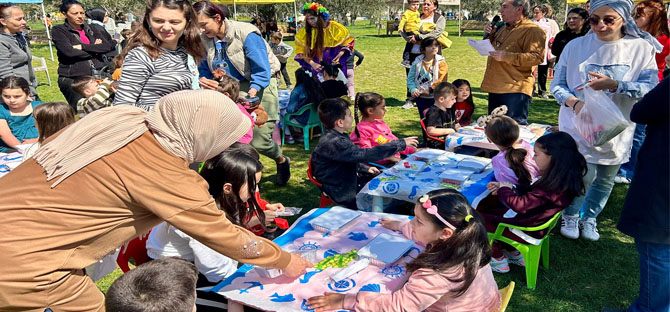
pixel 430 15
pixel 539 13
pixel 618 58
pixel 238 49
pixel 15 56
pixel 113 183
pixel 321 41
pixel 575 26
pixel 99 18
pixel 160 57
pixel 80 48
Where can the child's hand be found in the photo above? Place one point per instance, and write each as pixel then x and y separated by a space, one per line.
pixel 275 207
pixel 374 170
pixel 416 93
pixel 493 187
pixel 390 224
pixel 393 159
pixel 327 302
pixel 411 141
pixel 457 126
pixel 270 216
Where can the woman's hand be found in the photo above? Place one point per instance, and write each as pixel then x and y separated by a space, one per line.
pixel 602 82
pixel 315 65
pixel 327 302
pixel 296 267
pixel 393 225
pixel 412 39
pixel 337 58
pixel 252 92
pixel 209 83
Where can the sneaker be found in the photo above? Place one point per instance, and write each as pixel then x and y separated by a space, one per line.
pixel 283 172
pixel 515 257
pixel 289 139
pixel 590 229
pixel 408 104
pixel 500 265
pixel 405 64
pixel 570 226
pixel 621 180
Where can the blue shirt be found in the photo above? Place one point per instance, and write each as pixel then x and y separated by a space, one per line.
pixel 22 127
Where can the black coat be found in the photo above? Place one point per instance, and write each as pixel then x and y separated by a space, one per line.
pixel 73 63
pixel 646 210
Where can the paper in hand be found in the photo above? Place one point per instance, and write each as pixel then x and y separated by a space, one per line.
pixel 483 47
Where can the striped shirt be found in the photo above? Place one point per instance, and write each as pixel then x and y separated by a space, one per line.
pixel 100 99
pixel 145 80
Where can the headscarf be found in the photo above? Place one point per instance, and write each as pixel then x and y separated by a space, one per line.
pixel 624 8
pixel 195 125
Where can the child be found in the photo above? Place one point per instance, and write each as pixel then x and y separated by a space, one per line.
pixel 231 88
pixel 451 274
pixel 159 285
pixel 331 86
pixel 514 164
pixel 440 118
pixel 409 26
pixel 464 106
pixel 17 124
pixel 49 119
pixel 427 71
pixel 561 168
pixel 282 51
pixel 307 90
pixel 94 95
pixel 351 68
pixel 336 161
pixel 372 131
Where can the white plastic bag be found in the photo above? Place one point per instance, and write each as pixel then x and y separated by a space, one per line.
pixel 600 120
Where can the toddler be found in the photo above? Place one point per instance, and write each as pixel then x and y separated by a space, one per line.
pixel 464 106
pixel 94 95
pixel 440 118
pixel 514 164
pixel 231 88
pixel 49 119
pixel 409 26
pixel 17 124
pixel 282 51
pixel 331 86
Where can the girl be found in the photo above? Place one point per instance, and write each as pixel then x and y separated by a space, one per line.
pixel 561 168
pixel 539 13
pixel 465 105
pixel 49 119
pixel 427 71
pixel 451 274
pixel 307 90
pixel 331 86
pixel 160 56
pixel 514 164
pixel 372 130
pixel 17 123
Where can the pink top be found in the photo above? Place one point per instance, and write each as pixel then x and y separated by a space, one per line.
pixel 427 290
pixel 82 36
pixel 502 171
pixel 375 133
pixel 246 139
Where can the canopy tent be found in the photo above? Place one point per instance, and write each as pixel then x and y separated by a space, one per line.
pixel 44 19
pixel 245 2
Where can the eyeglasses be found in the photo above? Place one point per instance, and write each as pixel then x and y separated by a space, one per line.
pixel 609 21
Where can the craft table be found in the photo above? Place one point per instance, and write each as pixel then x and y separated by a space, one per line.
pixel 247 287
pixel 475 137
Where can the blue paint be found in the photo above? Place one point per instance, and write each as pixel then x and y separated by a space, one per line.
pixel 358 236
pixel 413 193
pixel 241 272
pixel 427 169
pixel 326 234
pixel 393 271
pixel 305 307
pixel 371 287
pixel 373 224
pixel 253 284
pixel 330 252
pixel 308 276
pixel 426 180
pixel 459 141
pixel 285 298
pixel 343 285
pixel 309 246
pixel 374 184
pixel 418 251
pixel 391 187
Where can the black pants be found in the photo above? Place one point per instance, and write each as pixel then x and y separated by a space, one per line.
pixel 65 86
pixel 542 79
pixel 406 52
pixel 517 105
pixel 284 72
pixel 412 57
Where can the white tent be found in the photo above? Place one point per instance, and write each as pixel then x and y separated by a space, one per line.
pixel 44 19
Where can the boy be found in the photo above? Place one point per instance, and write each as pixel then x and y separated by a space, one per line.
pixel 282 51
pixel 95 95
pixel 409 26
pixel 163 285
pixel 441 118
pixel 336 161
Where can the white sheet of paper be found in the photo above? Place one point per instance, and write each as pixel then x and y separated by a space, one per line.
pixel 509 214
pixel 483 47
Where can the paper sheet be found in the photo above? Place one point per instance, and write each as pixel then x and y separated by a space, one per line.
pixel 483 47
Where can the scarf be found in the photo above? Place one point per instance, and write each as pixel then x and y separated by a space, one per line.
pixel 624 8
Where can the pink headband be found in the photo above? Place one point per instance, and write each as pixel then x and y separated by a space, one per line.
pixel 432 209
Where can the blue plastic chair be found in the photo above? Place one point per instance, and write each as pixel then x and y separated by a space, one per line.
pixel 312 122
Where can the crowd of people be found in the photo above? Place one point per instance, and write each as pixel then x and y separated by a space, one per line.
pixel 166 136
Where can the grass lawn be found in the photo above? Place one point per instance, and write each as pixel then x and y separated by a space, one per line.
pixel 583 276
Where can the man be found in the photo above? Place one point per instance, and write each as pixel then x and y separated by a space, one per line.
pixel 519 48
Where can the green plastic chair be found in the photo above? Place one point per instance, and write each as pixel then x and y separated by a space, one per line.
pixel 306 128
pixel 530 252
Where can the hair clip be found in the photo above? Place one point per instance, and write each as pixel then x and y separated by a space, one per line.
pixel 432 209
pixel 468 218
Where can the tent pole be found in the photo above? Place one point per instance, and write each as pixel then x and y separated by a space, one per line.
pixel 295 20
pixel 235 9
pixel 44 19
pixel 460 17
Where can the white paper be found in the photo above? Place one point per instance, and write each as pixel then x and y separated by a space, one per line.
pixel 386 248
pixel 483 47
pixel 351 269
pixel 509 214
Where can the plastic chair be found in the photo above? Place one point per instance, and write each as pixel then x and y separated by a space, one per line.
pixel 506 295
pixel 42 67
pixel 325 200
pixel 428 135
pixel 312 122
pixel 530 252
pixel 135 249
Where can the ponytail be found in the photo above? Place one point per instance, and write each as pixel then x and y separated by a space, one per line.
pixel 515 158
pixel 365 100
pixel 358 96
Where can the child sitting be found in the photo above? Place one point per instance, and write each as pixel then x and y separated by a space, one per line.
pixel 331 86
pixel 282 51
pixel 336 161
pixel 17 124
pixel 440 118
pixel 307 91
pixel 49 119
pixel 427 71
pixel 372 131
pixel 561 167
pixel 94 95
pixel 156 286
pixel 514 164
pixel 409 26
pixel 464 106
pixel 451 274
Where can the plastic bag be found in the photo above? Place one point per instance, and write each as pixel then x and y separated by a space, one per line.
pixel 600 120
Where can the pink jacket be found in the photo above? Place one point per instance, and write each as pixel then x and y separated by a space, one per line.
pixel 427 290
pixel 375 133
pixel 246 139
pixel 504 173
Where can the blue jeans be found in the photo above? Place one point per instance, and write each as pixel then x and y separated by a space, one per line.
pixel 626 169
pixel 654 278
pixel 599 181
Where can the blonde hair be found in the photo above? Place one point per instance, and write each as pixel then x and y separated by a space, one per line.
pixel 51 118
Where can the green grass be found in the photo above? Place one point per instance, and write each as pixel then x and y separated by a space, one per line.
pixel 583 276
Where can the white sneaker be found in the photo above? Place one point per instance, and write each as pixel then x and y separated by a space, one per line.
pixel 408 104
pixel 621 180
pixel 515 257
pixel 570 226
pixel 590 229
pixel 500 265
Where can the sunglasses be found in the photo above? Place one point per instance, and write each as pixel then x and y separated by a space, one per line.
pixel 609 21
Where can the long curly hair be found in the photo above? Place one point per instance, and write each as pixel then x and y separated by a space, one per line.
pixel 318 41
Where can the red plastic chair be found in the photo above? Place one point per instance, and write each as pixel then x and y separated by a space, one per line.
pixel 135 249
pixel 325 200
pixel 428 135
